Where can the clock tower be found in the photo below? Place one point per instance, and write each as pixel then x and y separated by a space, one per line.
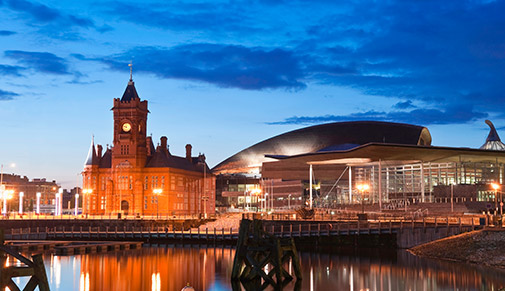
pixel 130 126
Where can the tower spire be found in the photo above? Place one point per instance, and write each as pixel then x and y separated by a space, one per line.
pixel 131 71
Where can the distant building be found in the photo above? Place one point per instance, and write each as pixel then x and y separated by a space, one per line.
pixel 396 161
pixel 134 177
pixel 18 184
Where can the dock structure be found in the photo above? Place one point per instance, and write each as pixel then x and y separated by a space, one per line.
pixel 32 268
pixel 256 249
pixel 395 232
pixel 72 247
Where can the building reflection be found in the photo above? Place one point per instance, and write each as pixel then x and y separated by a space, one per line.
pixel 153 269
pixel 171 268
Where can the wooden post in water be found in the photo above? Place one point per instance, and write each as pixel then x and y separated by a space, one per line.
pixel 35 269
pixel 256 249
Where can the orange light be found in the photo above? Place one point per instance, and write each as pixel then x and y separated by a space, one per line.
pixel 362 187
pixel 495 186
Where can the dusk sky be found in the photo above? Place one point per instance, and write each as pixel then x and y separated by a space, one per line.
pixel 224 75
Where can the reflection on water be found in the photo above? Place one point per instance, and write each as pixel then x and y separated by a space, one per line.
pixel 160 268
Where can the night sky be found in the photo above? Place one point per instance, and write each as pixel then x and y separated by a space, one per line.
pixel 224 75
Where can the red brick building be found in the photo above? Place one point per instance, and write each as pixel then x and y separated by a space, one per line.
pixel 134 177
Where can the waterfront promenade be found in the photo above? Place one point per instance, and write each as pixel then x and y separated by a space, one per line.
pixel 394 231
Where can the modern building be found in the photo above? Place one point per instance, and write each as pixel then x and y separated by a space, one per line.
pixel 134 177
pixel 396 161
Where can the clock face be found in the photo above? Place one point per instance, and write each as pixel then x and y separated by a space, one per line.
pixel 127 127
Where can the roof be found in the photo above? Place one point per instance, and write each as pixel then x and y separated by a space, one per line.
pixel 324 137
pixel 163 159
pixel 493 141
pixel 130 93
pixel 374 152
pixel 92 158
pixel 106 160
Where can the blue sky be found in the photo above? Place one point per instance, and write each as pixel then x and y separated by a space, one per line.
pixel 224 75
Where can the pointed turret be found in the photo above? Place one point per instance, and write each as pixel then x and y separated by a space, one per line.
pixel 130 93
pixel 92 158
pixel 493 141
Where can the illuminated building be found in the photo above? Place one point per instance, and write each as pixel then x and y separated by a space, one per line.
pixel 396 160
pixel 17 184
pixel 134 177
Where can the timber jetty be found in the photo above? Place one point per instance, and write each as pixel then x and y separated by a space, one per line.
pixel 335 231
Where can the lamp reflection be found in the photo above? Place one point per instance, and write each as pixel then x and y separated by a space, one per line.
pixel 84 282
pixel 156 282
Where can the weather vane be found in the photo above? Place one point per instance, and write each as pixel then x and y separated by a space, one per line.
pixel 131 70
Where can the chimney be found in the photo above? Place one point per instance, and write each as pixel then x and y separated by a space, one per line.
pixel 99 150
pixel 188 152
pixel 163 141
pixel 149 142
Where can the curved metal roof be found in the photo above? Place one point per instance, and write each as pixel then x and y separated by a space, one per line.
pixel 324 137
pixel 493 141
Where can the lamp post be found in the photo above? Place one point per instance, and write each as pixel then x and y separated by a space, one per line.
pixel 362 188
pixel 6 196
pixel 38 202
pixel 76 204
pixel 157 192
pixel 21 194
pixel 452 197
pixel 289 201
pixel 495 187
pixel 56 203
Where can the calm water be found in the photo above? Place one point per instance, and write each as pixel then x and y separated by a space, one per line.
pixel 170 268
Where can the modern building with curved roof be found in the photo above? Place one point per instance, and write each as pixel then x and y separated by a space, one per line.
pixel 323 138
pixel 396 161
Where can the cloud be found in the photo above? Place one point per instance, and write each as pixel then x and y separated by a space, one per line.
pixel 7 95
pixel 41 13
pixel 6 32
pixel 182 16
pixel 450 115
pixel 11 70
pixel 229 66
pixel 404 105
pixel 414 50
pixel 52 22
pixel 40 61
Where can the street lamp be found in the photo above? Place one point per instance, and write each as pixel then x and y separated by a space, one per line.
pixel 496 186
pixel 38 202
pixel 56 203
pixel 452 197
pixel 157 192
pixel 6 195
pixel 21 194
pixel 255 192
pixel 76 203
pixel 289 201
pixel 362 188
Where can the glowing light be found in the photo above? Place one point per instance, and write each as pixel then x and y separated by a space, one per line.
pixel 495 186
pixel 362 187
pixel 155 282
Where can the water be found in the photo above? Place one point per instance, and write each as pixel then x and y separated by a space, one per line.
pixel 170 268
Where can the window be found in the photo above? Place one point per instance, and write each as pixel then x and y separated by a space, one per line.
pixel 146 182
pixel 125 149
